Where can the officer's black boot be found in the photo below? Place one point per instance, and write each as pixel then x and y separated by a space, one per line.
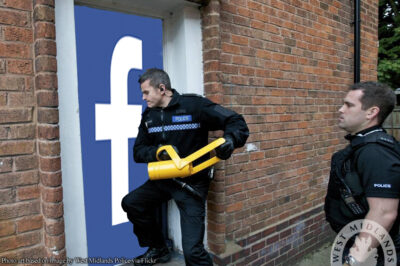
pixel 153 256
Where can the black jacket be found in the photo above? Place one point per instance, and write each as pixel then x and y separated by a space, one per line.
pixel 185 123
pixel 370 167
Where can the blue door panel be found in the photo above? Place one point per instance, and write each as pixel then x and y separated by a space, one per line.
pixel 97 33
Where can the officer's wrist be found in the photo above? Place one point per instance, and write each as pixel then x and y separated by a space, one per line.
pixel 351 261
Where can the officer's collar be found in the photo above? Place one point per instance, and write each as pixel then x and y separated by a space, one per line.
pixel 175 98
pixel 365 132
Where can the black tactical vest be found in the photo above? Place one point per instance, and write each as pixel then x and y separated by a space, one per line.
pixel 345 200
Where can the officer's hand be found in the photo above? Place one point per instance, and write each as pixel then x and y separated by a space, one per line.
pixel 164 156
pixel 226 149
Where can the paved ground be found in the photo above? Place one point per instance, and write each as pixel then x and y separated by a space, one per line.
pixel 319 258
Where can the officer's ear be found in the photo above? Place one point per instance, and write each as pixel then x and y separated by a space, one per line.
pixel 372 112
pixel 162 88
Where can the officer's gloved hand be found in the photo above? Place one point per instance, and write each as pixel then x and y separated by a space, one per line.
pixel 164 156
pixel 226 149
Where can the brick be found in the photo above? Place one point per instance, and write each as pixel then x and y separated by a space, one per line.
pixel 19 4
pixel 15 18
pixel 7 196
pixel 45 47
pixel 18 34
pixel 47 98
pixel 234 189
pixel 15 50
pixel 26 131
pixel 217 227
pixel 48 115
pixel 16 147
pixel 11 83
pixel 234 207
pixel 50 164
pixel 51 179
pixel 25 162
pixel 20 209
pixel 49 148
pixel 20 66
pixel 46 81
pixel 48 132
pixel 6 165
pixel 258 246
pixel 54 227
pixel 241 40
pixel 7 228
pixel 46 64
pixel 45 30
pixel 21 99
pixel 20 178
pixel 28 252
pixel 3 98
pixel 55 242
pixel 52 210
pixel 29 239
pixel 14 115
pixel 28 192
pixel 50 194
pixel 8 243
pixel 229 48
pixel 30 223
pixel 43 13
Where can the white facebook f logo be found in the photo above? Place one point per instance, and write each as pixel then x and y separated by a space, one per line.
pixel 119 121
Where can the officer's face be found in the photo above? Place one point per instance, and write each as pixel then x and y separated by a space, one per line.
pixel 152 96
pixel 351 116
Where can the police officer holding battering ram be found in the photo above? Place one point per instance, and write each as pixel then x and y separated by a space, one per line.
pixel 182 121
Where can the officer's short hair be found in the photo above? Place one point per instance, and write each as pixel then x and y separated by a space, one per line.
pixel 156 77
pixel 376 94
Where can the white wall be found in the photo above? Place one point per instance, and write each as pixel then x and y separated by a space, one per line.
pixel 71 156
pixel 183 49
pixel 183 62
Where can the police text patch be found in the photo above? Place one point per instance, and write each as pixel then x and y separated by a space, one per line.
pixel 181 118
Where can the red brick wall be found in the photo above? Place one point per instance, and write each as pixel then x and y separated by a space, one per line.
pixel 31 209
pixel 285 66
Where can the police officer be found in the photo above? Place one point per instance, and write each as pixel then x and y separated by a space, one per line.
pixel 365 176
pixel 182 121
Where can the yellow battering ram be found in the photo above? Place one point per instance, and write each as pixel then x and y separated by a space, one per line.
pixel 181 167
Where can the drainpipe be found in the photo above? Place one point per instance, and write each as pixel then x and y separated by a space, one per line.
pixel 357 23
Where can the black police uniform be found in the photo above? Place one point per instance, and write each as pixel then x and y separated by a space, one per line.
pixel 184 123
pixel 371 170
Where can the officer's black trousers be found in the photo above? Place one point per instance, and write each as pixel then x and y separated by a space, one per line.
pixel 140 206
